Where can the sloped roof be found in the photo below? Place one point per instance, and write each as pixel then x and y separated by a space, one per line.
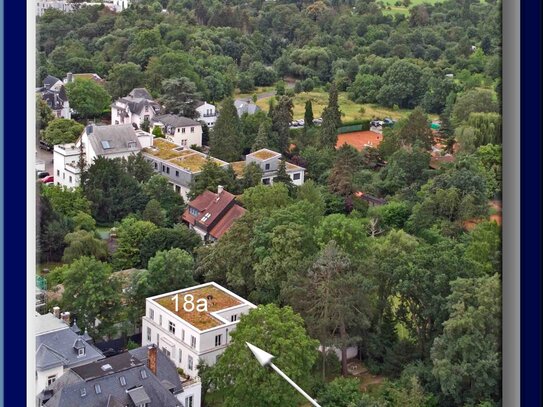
pixel 113 139
pixel 244 106
pixel 59 345
pixel 77 387
pixel 140 93
pixel 224 224
pixel 175 121
pixel 50 80
pixel 217 212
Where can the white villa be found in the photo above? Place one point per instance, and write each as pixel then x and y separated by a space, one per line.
pixel 187 335
pixel 105 141
pixel 180 130
pixel 135 108
pixel 207 113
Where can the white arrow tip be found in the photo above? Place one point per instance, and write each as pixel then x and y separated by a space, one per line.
pixel 263 357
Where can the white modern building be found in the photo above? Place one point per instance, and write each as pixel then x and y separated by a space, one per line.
pixel 188 334
pixel 180 130
pixel 105 141
pixel 134 108
pixel 207 113
pixel 181 165
pixel 269 161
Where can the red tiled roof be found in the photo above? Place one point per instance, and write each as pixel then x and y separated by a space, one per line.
pixel 216 212
pixel 226 221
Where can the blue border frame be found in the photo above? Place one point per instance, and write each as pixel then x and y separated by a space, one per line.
pixel 14 203
pixel 531 203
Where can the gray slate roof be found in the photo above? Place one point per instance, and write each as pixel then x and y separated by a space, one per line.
pixel 175 121
pixel 57 347
pixel 137 99
pixel 244 106
pixel 77 387
pixel 113 139
pixel 50 80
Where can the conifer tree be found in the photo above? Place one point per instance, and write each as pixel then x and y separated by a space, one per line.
pixel 225 139
pixel 331 119
pixel 308 115
pixel 281 119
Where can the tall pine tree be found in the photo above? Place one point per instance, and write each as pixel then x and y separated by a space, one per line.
pixel 331 119
pixel 281 118
pixel 308 115
pixel 225 139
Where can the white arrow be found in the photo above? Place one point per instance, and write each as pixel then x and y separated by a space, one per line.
pixel 265 359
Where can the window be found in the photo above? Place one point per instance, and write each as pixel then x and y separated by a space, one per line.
pixel 122 379
pixel 193 211
pixel 190 362
pixel 146 109
pixel 192 129
pixel 131 144
pixel 97 389
pixel 160 320
pixel 266 181
pixel 234 318
pixel 151 313
pixel 81 352
pixel 167 170
pixel 63 175
pixel 218 340
pixel 183 334
pixel 180 356
pixel 178 130
pixel 296 176
pixel 192 341
pixel 83 392
pixel 58 172
pixel 189 402
pixel 148 334
pixel 177 173
pixel 51 379
pixel 267 166
pixel 166 351
pixel 70 178
pixel 171 327
pixel 163 168
pixel 156 166
pixel 157 339
pixel 183 130
pixel 143 374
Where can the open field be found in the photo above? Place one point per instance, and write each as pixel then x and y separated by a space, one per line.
pixel 402 9
pixel 350 109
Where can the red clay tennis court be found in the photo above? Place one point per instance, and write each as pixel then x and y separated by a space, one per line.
pixel 359 139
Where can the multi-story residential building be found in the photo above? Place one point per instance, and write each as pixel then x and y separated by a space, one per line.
pixel 179 164
pixel 140 377
pixel 207 113
pixel 135 108
pixel 43 5
pixel 187 333
pixel 269 161
pixel 54 94
pixel 105 141
pixel 211 215
pixel 59 347
pixel 180 130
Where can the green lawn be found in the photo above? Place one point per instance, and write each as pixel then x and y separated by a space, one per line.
pixel 350 109
pixel 402 9
pixel 258 89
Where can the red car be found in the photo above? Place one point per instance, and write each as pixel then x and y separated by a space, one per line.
pixel 50 178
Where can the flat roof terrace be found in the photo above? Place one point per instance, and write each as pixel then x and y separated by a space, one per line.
pixel 218 299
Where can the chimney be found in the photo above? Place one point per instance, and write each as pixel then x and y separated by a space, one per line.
pixel 151 358
pixel 69 77
pixel 65 317
pixel 89 129
pixel 220 188
pixel 56 312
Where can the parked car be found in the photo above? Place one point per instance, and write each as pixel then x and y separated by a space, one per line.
pixel 317 121
pixel 45 146
pixel 48 179
pixel 42 174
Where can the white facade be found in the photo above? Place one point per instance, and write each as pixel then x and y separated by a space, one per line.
pixel 121 114
pixel 43 5
pixel 120 5
pixel 269 160
pixel 185 343
pixel 66 171
pixel 185 136
pixel 207 113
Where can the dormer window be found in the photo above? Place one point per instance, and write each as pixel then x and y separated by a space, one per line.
pixel 193 211
pixel 81 352
pixel 131 144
